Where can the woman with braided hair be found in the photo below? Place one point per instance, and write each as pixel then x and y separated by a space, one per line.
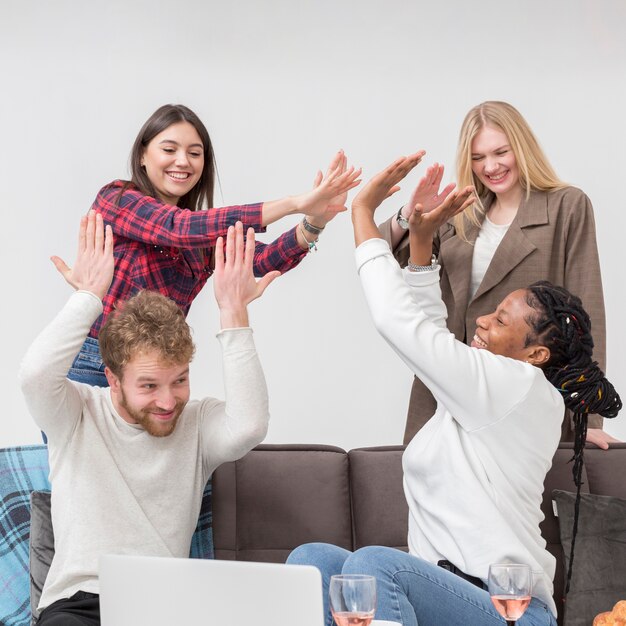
pixel 474 474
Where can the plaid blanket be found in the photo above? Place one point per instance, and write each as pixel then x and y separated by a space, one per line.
pixel 25 469
pixel 22 470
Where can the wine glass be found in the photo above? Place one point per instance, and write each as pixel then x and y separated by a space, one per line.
pixel 510 585
pixel 352 599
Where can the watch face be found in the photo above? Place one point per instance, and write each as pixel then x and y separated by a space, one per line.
pixel 402 221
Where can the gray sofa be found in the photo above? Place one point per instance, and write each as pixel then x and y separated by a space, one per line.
pixel 280 496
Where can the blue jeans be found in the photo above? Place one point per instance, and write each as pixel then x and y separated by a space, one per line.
pixel 412 591
pixel 87 368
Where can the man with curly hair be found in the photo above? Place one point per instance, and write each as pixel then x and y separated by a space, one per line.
pixel 128 464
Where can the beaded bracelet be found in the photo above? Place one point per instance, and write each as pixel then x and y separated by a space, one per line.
pixel 311 244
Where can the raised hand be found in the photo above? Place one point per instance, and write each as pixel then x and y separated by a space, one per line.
pixel 328 196
pixel 427 191
pixel 423 226
pixel 94 265
pixel 233 281
pixel 385 183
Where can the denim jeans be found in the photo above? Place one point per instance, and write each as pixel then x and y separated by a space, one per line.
pixel 412 591
pixel 87 368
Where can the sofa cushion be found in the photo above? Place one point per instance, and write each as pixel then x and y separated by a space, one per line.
pixel 278 497
pixel 599 573
pixel 41 545
pixel 23 470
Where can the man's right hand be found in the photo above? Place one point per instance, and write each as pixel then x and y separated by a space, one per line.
pixel 233 281
pixel 94 265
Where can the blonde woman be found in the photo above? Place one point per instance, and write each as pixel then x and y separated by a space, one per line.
pixel 525 225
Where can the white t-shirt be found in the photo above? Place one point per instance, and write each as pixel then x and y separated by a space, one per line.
pixel 485 247
pixel 115 488
pixel 473 475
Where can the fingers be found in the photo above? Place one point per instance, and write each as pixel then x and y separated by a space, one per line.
pixel 416 214
pixel 219 255
pixel 446 190
pixel 335 209
pixel 349 179
pixel 61 265
pixel 250 248
pixel 230 246
pixel 337 165
pixel 266 280
pixel 236 251
pixel 457 201
pixel 109 241
pixel 239 244
pixel 400 168
pixel 99 233
pixel 318 179
pixel 392 191
pixel 91 231
pixel 438 176
pixel 82 234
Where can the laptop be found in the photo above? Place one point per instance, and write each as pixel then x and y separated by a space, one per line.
pixel 137 590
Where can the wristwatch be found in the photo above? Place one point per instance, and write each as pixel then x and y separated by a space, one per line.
pixel 403 223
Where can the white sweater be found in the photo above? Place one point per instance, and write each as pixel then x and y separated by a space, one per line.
pixel 473 475
pixel 115 488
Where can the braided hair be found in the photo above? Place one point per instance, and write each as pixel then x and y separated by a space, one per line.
pixel 562 325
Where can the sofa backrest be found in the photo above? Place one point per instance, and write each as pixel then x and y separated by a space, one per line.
pixel 278 497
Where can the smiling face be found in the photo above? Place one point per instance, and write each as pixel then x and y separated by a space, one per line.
pixel 506 331
pixel 173 161
pixel 494 163
pixel 151 392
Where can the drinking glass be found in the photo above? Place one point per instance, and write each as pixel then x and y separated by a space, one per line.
pixel 510 586
pixel 352 599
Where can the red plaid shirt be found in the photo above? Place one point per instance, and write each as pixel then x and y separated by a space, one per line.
pixel 168 249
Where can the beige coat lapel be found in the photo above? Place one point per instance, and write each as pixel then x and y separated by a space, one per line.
pixel 515 246
pixel 457 256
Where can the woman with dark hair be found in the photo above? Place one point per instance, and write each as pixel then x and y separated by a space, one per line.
pixel 164 240
pixel 525 224
pixel 474 474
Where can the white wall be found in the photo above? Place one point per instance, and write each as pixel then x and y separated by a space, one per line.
pixel 281 85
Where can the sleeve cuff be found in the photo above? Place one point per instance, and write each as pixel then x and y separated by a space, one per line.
pixel 236 339
pixel 421 279
pixel 369 250
pixel 251 216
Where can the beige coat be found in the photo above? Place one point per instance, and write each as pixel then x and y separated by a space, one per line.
pixel 553 238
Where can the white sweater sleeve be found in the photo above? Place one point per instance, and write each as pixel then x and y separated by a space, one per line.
pixel 477 387
pixel 54 401
pixel 231 428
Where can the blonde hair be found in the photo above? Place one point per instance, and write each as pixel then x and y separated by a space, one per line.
pixel 535 171
pixel 147 321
